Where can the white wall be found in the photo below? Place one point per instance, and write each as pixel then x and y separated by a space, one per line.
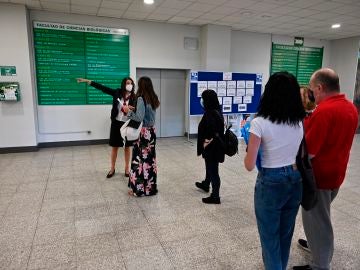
pixel 344 58
pixel 17 123
pixel 251 53
pixel 152 45
pixel 217 51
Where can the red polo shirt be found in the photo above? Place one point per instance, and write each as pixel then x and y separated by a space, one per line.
pixel 329 135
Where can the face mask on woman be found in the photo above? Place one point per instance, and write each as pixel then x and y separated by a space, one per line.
pixel 202 102
pixel 129 87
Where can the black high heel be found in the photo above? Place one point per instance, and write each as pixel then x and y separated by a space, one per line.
pixel 110 174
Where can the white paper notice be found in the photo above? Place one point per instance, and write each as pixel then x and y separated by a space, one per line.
pixel 249 84
pixel 221 84
pixel 202 86
pixel 231 84
pixel 247 99
pixel 220 100
pixel 240 84
pixel 212 85
pixel 249 91
pixel 226 108
pixel 221 92
pixel 227 100
pixel 238 100
pixel 242 107
pixel 227 76
pixel 231 92
pixel 240 92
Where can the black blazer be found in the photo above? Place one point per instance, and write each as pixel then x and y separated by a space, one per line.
pixel 211 126
pixel 116 94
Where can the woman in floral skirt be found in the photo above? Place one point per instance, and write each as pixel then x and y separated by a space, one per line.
pixel 143 172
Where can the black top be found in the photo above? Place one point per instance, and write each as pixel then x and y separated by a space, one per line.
pixel 116 94
pixel 211 126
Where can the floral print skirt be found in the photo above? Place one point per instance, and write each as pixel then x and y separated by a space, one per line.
pixel 143 172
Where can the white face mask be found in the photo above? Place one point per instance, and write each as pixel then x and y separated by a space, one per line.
pixel 129 87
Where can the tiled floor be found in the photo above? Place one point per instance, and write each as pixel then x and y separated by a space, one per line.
pixel 58 211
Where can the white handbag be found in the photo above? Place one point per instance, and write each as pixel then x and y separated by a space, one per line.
pixel 130 130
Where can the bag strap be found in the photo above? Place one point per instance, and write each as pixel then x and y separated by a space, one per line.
pixel 304 151
pixel 225 124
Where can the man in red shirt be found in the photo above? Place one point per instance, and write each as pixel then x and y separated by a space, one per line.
pixel 329 133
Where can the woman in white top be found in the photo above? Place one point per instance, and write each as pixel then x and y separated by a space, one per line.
pixel 278 130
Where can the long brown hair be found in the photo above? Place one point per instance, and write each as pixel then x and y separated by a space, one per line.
pixel 307 103
pixel 146 91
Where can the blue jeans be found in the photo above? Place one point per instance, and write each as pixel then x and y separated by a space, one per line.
pixel 277 199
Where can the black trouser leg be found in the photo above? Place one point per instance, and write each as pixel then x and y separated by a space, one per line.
pixel 212 173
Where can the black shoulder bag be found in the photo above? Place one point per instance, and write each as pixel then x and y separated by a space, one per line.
pixel 303 163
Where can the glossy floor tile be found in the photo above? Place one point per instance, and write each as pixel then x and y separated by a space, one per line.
pixel 58 211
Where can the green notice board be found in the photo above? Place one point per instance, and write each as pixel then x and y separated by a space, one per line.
pixel 300 61
pixel 64 52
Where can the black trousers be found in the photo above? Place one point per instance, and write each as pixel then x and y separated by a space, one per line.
pixel 212 176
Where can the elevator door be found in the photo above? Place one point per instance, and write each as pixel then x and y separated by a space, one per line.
pixel 169 85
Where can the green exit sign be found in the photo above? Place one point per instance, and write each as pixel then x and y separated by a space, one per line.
pixel 299 41
pixel 8 70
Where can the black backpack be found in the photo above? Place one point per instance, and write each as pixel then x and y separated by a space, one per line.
pixel 231 142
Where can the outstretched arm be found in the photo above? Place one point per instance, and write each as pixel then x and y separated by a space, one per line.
pixel 99 86
pixel 83 80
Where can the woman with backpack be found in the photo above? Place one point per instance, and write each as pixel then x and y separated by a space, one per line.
pixel 209 144
pixel 143 172
pixel 277 128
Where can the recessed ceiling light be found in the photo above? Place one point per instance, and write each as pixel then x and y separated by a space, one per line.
pixel 149 2
pixel 336 25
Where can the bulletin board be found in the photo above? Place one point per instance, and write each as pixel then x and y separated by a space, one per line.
pixel 238 93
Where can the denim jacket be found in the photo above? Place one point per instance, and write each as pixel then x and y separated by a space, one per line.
pixel 144 113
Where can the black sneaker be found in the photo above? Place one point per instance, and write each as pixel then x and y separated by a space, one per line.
pixel 202 186
pixel 304 245
pixel 302 267
pixel 211 200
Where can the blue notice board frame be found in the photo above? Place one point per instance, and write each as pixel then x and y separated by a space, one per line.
pixel 211 76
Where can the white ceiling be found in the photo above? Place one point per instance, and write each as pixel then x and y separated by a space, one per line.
pixel 306 18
